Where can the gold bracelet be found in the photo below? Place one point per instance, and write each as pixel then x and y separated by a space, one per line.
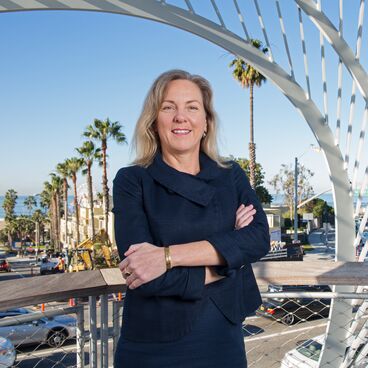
pixel 167 258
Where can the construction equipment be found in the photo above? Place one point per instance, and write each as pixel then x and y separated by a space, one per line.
pixel 92 253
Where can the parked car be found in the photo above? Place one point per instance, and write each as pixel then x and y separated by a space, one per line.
pixel 7 353
pixel 4 265
pixel 51 331
pixel 307 353
pixel 292 310
pixel 48 266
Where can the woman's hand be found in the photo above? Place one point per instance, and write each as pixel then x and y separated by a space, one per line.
pixel 244 216
pixel 144 262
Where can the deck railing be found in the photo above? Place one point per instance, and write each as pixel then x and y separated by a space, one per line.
pixel 103 314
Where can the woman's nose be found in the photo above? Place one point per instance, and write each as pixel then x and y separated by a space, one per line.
pixel 180 116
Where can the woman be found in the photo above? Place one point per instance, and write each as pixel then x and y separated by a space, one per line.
pixel 188 226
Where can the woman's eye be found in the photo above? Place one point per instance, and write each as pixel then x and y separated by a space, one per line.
pixel 194 108
pixel 167 108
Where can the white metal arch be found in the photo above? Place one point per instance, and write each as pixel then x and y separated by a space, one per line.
pixel 187 20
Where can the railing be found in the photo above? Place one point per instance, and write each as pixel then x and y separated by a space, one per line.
pixel 103 318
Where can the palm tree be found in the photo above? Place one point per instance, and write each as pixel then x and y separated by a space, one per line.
pixel 89 153
pixel 249 77
pixel 30 202
pixel 102 131
pixel 39 219
pixel 56 186
pixel 62 169
pixel 46 205
pixel 74 164
pixel 9 203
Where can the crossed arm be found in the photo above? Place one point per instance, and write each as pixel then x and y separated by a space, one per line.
pixel 145 261
pixel 195 264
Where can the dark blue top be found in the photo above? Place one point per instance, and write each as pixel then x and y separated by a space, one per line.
pixel 163 206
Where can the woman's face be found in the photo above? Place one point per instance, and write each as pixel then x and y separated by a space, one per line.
pixel 181 120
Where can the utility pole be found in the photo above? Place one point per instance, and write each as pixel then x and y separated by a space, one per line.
pixel 296 200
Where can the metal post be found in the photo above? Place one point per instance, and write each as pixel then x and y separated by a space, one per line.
pixel 80 337
pixel 296 200
pixel 92 332
pixel 104 359
pixel 117 307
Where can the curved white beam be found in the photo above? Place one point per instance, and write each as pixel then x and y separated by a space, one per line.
pixel 216 34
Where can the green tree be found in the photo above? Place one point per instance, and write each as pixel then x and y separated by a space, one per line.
pixel 101 131
pixel 320 209
pixel 46 204
pixel 74 165
pixel 25 228
pixel 262 193
pixel 10 200
pixel 56 189
pixel 63 170
pixel 89 153
pixel 30 202
pixel 249 77
pixel 284 182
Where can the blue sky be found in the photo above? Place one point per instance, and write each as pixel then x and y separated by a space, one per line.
pixel 60 70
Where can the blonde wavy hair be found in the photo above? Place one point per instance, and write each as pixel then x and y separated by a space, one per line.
pixel 146 141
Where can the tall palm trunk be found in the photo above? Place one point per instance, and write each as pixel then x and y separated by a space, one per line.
pixel 252 146
pixel 53 221
pixel 90 197
pixel 57 218
pixel 74 178
pixel 105 188
pixel 66 215
pixel 10 239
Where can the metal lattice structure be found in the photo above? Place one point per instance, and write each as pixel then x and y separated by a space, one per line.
pixel 290 39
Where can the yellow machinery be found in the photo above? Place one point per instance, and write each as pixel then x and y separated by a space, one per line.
pixel 83 257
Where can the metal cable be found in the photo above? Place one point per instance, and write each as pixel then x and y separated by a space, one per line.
pixel 361 193
pixel 218 13
pixel 285 38
pixel 323 64
pixel 354 345
pixel 360 147
pixel 260 19
pixel 353 89
pixel 190 7
pixel 339 80
pixel 304 48
pixel 241 19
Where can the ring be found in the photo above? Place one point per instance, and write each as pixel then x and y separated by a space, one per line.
pixel 126 274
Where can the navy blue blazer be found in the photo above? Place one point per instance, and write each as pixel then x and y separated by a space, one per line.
pixel 163 206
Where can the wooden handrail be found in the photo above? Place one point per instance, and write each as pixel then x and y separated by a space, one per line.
pixel 42 289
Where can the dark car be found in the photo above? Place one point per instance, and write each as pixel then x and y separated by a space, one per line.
pixel 4 265
pixel 292 310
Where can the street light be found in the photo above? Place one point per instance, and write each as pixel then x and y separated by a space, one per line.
pixel 296 172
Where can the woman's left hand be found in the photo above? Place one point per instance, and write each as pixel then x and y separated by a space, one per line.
pixel 144 262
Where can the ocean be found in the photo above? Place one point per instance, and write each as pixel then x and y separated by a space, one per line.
pixel 20 209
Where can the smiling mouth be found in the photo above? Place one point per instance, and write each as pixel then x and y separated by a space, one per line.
pixel 181 131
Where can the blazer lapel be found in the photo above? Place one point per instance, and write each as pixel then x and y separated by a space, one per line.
pixel 192 187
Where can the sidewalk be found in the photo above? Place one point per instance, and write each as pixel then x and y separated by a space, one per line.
pixel 317 241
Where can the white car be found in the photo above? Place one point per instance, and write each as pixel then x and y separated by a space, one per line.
pixel 53 331
pixel 306 355
pixel 7 353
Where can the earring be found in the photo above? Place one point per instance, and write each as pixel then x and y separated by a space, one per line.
pixel 204 135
